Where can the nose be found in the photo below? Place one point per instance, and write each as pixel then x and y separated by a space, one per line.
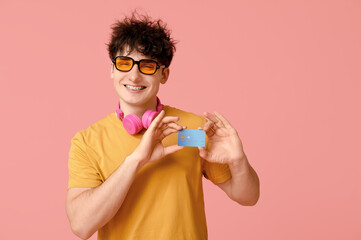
pixel 134 74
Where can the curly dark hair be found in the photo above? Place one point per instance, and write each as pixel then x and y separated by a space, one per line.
pixel 141 33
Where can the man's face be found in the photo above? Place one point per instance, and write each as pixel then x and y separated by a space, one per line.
pixel 147 86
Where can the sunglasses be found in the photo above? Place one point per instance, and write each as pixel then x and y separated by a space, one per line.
pixel 145 66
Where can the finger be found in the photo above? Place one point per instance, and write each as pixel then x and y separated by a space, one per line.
pixel 208 125
pixel 223 120
pixel 156 122
pixel 168 132
pixel 174 126
pixel 166 120
pixel 172 149
pixel 169 119
pixel 208 128
pixel 210 132
pixel 211 117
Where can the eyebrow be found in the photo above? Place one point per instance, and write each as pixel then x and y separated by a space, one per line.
pixel 146 59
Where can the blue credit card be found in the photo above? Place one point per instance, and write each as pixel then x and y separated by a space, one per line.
pixel 192 138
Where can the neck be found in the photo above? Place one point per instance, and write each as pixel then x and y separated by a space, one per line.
pixel 138 110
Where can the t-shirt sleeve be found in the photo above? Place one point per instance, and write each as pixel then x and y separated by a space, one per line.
pixel 216 172
pixel 82 171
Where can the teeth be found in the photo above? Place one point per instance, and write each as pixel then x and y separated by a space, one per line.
pixel 134 88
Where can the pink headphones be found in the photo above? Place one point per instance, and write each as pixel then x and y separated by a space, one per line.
pixel 132 122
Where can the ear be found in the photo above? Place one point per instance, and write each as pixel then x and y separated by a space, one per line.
pixel 165 75
pixel 112 71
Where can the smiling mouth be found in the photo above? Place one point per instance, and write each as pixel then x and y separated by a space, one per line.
pixel 134 88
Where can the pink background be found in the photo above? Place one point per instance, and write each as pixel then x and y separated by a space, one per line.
pixel 285 73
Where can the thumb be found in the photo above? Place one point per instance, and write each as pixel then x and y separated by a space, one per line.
pixel 172 149
pixel 204 153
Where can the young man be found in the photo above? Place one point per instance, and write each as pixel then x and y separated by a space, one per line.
pixel 129 182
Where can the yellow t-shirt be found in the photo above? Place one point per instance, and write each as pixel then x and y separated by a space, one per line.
pixel 165 201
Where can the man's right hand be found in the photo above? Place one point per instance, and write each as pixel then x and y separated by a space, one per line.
pixel 150 147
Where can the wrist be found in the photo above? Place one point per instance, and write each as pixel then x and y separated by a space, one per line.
pixel 137 161
pixel 240 163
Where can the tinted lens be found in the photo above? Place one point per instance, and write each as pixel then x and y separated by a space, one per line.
pixel 124 63
pixel 147 66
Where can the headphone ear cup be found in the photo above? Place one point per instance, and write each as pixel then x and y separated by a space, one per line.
pixel 148 117
pixel 132 124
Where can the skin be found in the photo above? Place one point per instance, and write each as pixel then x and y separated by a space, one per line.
pixel 151 149
pixel 137 103
pixel 227 148
pixel 88 209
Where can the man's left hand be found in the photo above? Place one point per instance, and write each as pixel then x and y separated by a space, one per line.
pixel 226 146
